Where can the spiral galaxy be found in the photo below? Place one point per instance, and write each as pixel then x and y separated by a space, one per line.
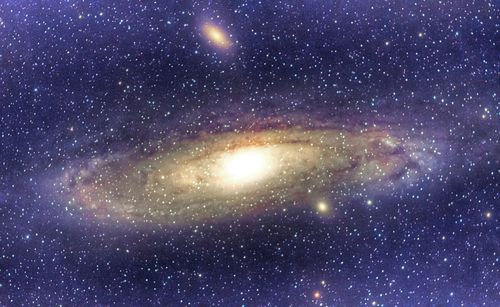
pixel 249 153
pixel 228 174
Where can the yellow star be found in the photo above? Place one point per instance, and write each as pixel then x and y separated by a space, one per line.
pixel 322 207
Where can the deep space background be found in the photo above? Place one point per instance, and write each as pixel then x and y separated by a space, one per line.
pixel 84 79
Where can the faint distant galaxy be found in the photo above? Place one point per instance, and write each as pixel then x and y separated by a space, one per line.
pixel 218 175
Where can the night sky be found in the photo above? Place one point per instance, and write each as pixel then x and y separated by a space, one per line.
pixel 249 153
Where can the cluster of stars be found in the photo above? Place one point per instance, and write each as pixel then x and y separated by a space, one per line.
pixel 112 193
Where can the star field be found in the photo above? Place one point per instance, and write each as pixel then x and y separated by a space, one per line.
pixel 248 153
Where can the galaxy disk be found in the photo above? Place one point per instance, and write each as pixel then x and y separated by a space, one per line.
pixel 235 173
